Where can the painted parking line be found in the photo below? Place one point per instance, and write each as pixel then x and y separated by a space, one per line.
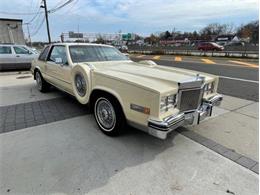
pixel 140 56
pixel 244 63
pixel 178 59
pixel 238 79
pixel 207 61
pixel 156 57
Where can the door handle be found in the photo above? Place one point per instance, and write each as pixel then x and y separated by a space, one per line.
pixel 18 56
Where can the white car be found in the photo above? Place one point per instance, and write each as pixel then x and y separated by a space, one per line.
pixel 152 98
pixel 16 57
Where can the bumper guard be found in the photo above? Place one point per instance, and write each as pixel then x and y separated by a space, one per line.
pixel 160 129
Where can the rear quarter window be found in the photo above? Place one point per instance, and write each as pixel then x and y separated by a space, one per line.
pixel 5 50
pixel 44 54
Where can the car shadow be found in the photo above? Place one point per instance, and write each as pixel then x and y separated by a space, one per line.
pixel 102 158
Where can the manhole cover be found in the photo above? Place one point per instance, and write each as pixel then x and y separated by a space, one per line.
pixel 23 77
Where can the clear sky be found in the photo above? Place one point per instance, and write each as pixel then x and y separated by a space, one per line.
pixel 138 16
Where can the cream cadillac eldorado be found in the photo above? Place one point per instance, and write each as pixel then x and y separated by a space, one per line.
pixel 152 98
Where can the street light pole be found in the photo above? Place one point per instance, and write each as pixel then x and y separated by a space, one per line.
pixel 47 21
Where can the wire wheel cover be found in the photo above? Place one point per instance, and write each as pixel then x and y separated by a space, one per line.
pixel 80 84
pixel 105 114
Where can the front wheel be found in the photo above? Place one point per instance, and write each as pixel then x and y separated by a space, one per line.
pixel 109 115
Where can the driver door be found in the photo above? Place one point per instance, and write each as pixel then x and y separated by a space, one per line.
pixel 58 69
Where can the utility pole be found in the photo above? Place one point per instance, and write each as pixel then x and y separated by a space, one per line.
pixel 29 35
pixel 47 21
pixel 11 37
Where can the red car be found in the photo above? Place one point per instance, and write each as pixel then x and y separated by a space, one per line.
pixel 210 46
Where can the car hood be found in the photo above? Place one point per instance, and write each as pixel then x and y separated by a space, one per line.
pixel 154 77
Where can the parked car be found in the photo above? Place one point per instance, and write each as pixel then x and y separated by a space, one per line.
pixel 210 46
pixel 241 44
pixel 153 98
pixel 16 57
pixel 122 48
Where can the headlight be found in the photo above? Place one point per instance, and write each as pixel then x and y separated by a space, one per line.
pixel 208 88
pixel 168 102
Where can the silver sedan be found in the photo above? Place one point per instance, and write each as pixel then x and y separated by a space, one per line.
pixel 16 57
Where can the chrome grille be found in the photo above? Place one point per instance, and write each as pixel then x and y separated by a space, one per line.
pixel 189 99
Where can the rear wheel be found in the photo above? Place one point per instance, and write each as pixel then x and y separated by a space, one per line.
pixel 109 115
pixel 42 85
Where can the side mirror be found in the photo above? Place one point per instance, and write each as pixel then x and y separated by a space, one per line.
pixel 58 60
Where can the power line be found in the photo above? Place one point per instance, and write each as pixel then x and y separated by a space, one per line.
pixel 57 4
pixel 70 8
pixel 32 13
pixel 38 13
pixel 38 28
pixel 16 13
pixel 61 6
pixel 35 16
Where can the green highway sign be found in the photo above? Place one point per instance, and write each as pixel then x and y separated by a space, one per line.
pixel 127 37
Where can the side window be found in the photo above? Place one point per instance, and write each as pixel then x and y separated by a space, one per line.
pixel 44 54
pixel 58 52
pixel 5 50
pixel 21 50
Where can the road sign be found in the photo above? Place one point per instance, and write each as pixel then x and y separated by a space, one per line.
pixel 127 37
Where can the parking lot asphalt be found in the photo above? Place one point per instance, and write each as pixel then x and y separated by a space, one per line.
pixel 236 75
pixel 52 145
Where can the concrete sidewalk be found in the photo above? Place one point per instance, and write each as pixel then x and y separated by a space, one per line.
pixel 234 125
pixel 73 157
pixel 21 88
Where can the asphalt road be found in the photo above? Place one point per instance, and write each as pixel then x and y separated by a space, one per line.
pixel 235 79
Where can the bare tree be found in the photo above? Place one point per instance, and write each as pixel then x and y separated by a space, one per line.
pixel 217 29
pixel 249 31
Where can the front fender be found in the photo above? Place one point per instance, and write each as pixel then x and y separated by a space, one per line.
pixel 111 91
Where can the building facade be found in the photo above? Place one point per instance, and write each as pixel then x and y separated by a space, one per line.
pixel 11 31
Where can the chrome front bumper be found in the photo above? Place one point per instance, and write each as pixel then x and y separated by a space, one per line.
pixel 160 129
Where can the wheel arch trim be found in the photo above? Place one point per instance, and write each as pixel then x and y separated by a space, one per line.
pixel 109 91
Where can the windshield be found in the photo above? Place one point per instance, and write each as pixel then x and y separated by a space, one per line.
pixel 93 53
